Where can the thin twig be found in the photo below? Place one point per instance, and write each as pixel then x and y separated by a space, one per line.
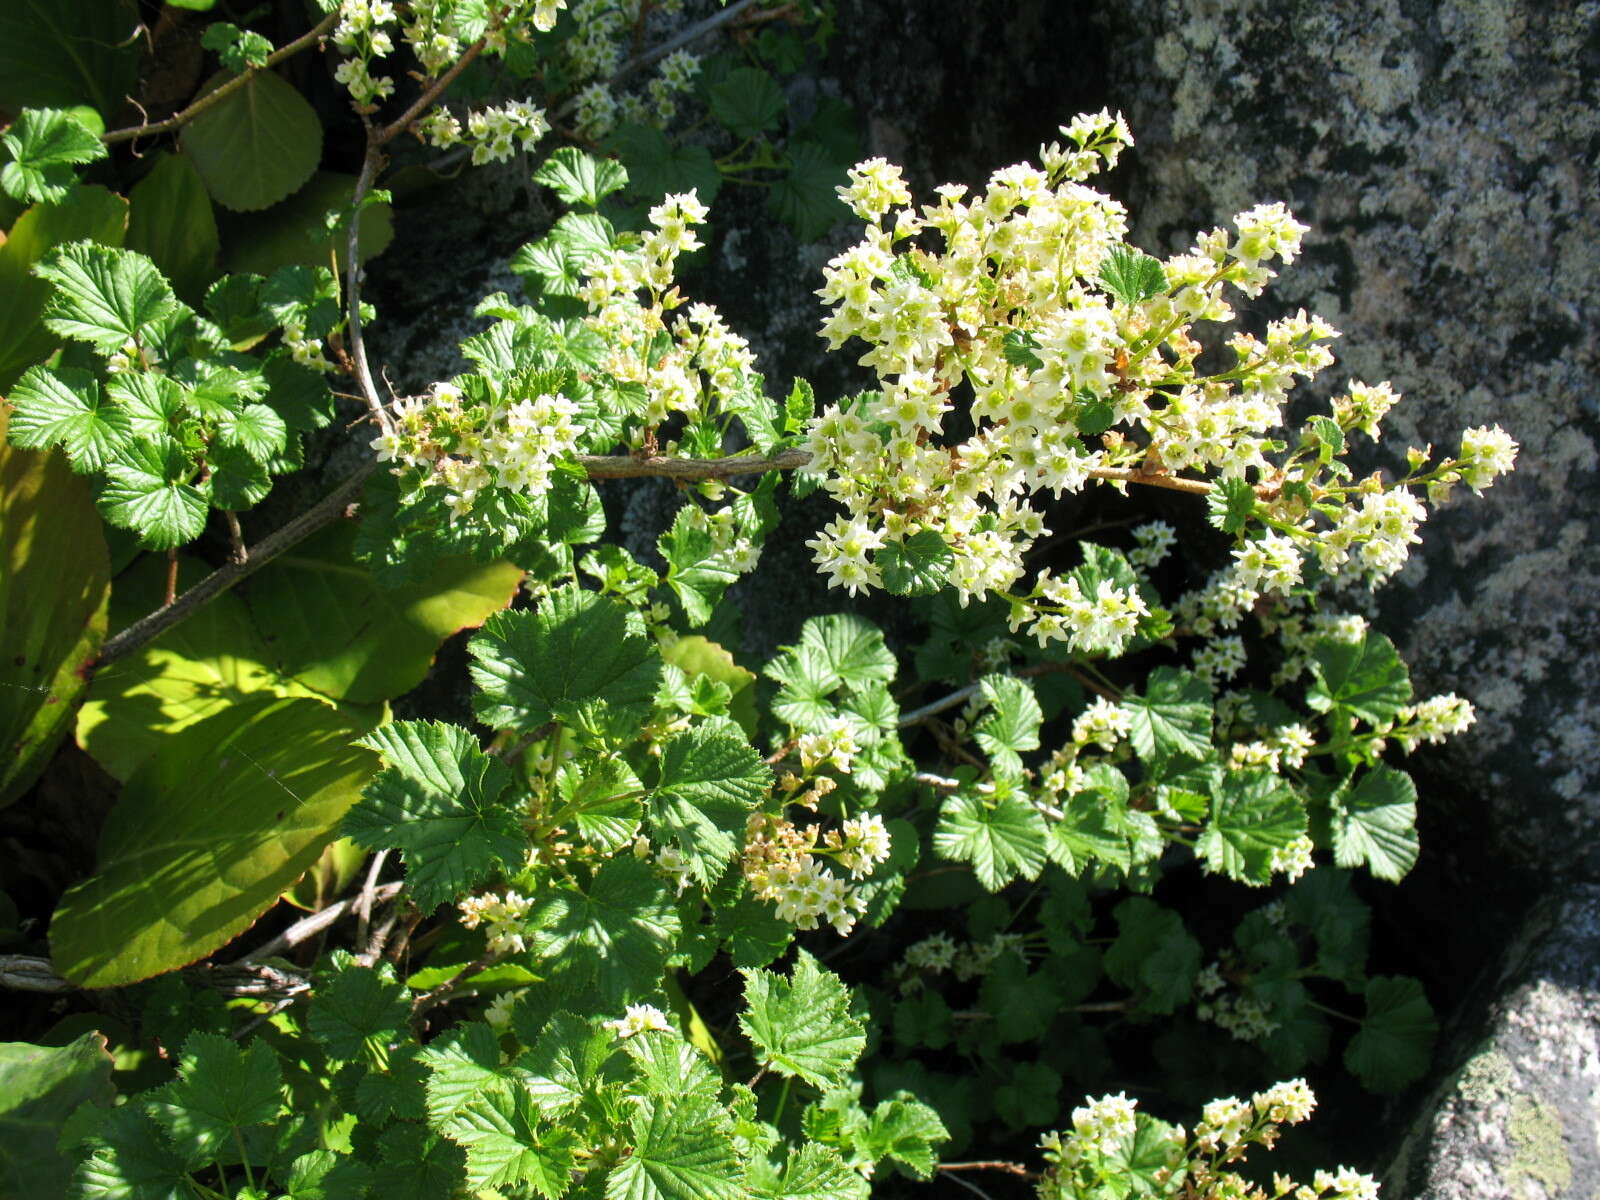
pixel 368 891
pixel 429 94
pixel 436 995
pixel 373 950
pixel 626 466
pixel 1010 1168
pixel 235 536
pixel 326 510
pixel 352 286
pixel 918 715
pixel 315 34
pixel 308 927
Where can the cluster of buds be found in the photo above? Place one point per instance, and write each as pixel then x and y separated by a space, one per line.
pixel 784 864
pixel 503 918
pixel 939 952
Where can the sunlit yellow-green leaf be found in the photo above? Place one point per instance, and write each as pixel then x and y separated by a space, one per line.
pixel 329 625
pixel 54 587
pixel 206 836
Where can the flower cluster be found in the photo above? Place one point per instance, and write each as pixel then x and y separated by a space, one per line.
pixel 1075 359
pixel 1246 1017
pixel 1091 1158
pixel 510 442
pixel 784 864
pixel 939 953
pixel 493 133
pixel 636 1019
pixel 503 918
pixel 602 31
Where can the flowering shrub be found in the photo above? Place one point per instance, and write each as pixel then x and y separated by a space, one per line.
pixel 588 940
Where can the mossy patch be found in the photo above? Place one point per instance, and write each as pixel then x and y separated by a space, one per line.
pixel 1541 1155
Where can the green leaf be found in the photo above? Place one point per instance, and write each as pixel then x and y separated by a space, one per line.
pixel 581 659
pixel 171 220
pixel 813 1172
pixel 802 1026
pixel 40 1087
pixel 134 1161
pixel 104 296
pixel 259 787
pixel 580 178
pixel 711 779
pixel 438 801
pixel 1366 678
pixel 414 1163
pixel 1011 726
pixel 665 1064
pixel 46 144
pixel 324 1175
pixel 916 566
pixel 506 1149
pixel 798 407
pixel 1021 349
pixel 357 1011
pixel 64 407
pixel 905 1130
pixel 698 570
pixel 66 52
pixel 88 212
pixel 257 144
pixel 1172 718
pixel 839 651
pixel 657 167
pixel 747 100
pixel 1253 813
pixel 463 1064
pixel 221 1089
pixel 148 490
pixel 239 49
pixel 54 589
pixel 682 1149
pixel 1375 823
pixel 1153 956
pixel 602 801
pixel 1395 1043
pixel 1097 825
pixel 614 937
pixel 1031 1099
pixel 335 630
pixel 1132 277
pixel 1002 839
pixel 1324 902
pixel 804 196
pixel 1230 503
pixel 205 665
pixel 255 429
pixel 566 1063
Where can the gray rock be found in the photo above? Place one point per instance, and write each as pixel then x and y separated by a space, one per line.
pixel 1444 155
pixel 1520 1117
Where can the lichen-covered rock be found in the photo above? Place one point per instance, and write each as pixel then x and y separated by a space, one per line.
pixel 1444 154
pixel 1520 1118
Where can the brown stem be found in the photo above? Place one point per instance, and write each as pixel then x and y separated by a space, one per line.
pixel 429 94
pixel 330 508
pixel 436 995
pixel 352 285
pixel 236 536
pixel 172 578
pixel 625 466
pixel 309 926
pixel 315 34
pixel 1010 1168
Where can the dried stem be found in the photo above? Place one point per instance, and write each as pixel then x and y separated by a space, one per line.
pixel 308 927
pixel 315 34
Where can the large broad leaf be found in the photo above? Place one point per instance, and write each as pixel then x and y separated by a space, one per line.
pixel 206 664
pixel 1395 1042
pixel 802 1026
pixel 507 1149
pixel 582 659
pixel 1002 838
pixel 1172 718
pixel 438 801
pixel 711 779
pixel 1375 823
pixel 172 222
pixel 40 1086
pixel 680 1149
pixel 47 145
pixel 613 938
pixel 206 836
pixel 328 623
pixel 698 570
pixel 1367 678
pixel 67 52
pixel 104 296
pixel 64 407
pixel 294 233
pixel 88 213
pixel 1253 813
pixel 55 586
pixel 257 144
